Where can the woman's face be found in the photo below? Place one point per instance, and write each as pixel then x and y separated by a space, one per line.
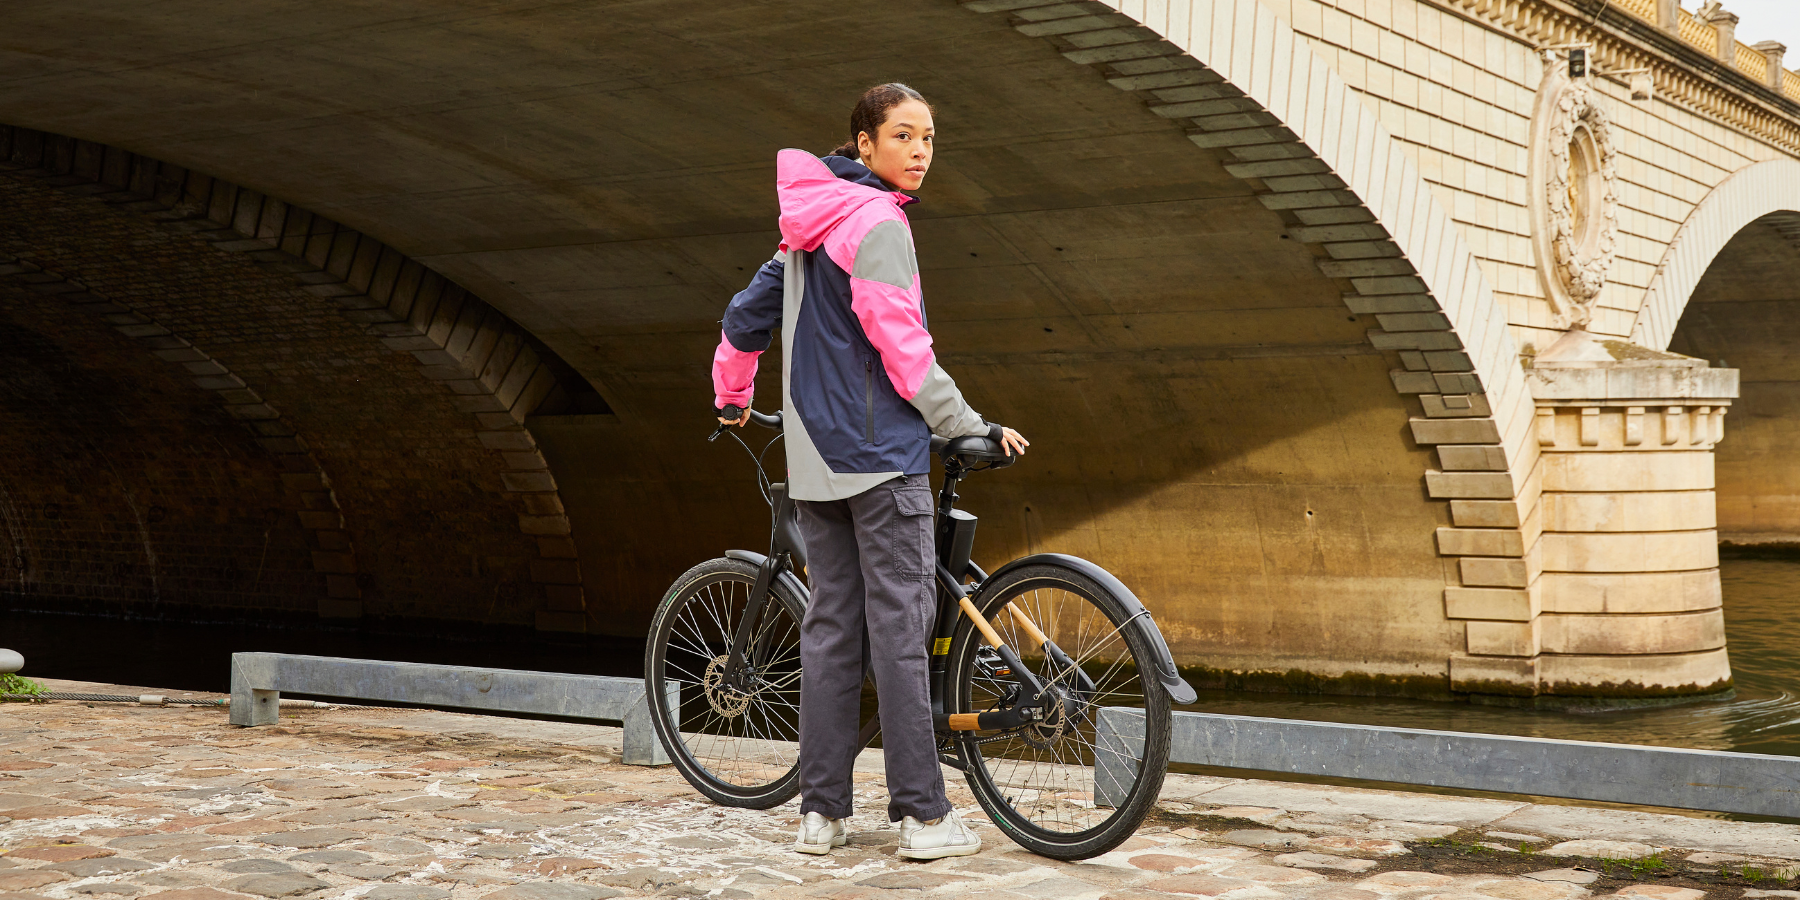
pixel 903 153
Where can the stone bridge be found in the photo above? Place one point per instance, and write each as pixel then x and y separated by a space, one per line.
pixel 1381 345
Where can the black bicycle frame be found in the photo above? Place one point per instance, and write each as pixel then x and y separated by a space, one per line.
pixel 954 544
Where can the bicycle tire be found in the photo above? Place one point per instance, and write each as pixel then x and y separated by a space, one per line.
pixel 737 749
pixel 1039 783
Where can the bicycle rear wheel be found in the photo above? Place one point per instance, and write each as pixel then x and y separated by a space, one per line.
pixel 1079 782
pixel 738 745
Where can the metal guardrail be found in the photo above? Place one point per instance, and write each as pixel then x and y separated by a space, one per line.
pixel 1748 783
pixel 1718 781
pixel 257 680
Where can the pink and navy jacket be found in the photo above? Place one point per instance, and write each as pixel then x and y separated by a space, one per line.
pixel 861 389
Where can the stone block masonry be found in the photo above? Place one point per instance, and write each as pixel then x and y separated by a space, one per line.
pixel 382 404
pixel 1602 575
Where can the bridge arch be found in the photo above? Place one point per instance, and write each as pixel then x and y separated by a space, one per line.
pixel 1171 275
pixel 1250 87
pixel 1726 293
pixel 1764 190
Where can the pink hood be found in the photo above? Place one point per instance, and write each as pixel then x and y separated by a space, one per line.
pixel 814 200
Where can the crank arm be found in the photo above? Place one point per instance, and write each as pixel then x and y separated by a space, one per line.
pixel 870 729
pixel 992 720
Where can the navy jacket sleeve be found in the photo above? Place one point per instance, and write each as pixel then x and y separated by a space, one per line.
pixel 755 312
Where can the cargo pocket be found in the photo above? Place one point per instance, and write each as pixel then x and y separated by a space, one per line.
pixel 911 535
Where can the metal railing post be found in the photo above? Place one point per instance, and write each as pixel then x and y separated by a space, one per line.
pixel 1118 752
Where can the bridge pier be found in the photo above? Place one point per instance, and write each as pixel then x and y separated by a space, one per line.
pixel 1621 594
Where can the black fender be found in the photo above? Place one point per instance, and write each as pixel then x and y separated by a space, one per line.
pixel 786 577
pixel 1171 679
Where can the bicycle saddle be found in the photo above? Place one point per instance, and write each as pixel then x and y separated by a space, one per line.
pixel 979 448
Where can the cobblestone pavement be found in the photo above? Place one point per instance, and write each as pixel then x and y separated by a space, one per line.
pixel 176 804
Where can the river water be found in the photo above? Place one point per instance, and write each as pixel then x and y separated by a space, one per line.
pixel 1762 622
pixel 1762 625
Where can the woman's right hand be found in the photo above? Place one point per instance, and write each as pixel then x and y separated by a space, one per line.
pixel 1013 442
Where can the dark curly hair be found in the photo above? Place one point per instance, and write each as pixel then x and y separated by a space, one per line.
pixel 872 111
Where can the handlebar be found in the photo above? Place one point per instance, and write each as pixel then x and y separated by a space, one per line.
pixel 763 419
pixel 978 448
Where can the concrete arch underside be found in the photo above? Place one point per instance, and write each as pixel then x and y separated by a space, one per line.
pixel 1173 248
pixel 1726 293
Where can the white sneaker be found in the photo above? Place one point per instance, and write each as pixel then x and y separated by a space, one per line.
pixel 947 836
pixel 819 834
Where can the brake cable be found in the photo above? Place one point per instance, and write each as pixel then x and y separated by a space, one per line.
pixel 756 459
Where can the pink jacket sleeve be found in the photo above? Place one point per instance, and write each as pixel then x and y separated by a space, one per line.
pixel 734 374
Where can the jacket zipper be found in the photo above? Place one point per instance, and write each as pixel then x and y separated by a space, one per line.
pixel 869 400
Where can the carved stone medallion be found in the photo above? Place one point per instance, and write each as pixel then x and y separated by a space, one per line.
pixel 1574 194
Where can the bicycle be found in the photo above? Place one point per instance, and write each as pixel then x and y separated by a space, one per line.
pixel 1065 747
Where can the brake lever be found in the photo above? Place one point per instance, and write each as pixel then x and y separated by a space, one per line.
pixel 723 427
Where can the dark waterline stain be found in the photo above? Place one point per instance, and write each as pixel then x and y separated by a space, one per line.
pixel 1762 617
pixel 197 657
pixel 1762 621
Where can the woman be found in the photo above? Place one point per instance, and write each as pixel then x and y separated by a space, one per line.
pixel 862 395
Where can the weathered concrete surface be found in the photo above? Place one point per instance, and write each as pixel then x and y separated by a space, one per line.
pixel 413 805
pixel 1209 420
pixel 257 680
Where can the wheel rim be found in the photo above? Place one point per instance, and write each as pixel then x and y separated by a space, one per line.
pixel 743 735
pixel 1046 772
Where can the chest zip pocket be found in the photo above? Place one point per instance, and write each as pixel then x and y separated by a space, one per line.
pixel 869 400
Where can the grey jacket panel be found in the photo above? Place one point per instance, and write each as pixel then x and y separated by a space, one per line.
pixel 944 408
pixel 809 478
pixel 886 255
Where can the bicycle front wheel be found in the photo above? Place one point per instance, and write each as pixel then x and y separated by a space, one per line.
pixel 736 742
pixel 1081 780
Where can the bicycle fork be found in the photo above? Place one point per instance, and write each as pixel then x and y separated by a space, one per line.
pixel 784 543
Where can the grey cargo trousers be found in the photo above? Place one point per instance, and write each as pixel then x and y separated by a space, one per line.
pixel 871 562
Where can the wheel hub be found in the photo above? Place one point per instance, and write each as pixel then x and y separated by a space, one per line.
pixel 1045 732
pixel 725 699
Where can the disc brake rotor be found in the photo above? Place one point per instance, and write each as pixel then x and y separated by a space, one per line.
pixel 726 700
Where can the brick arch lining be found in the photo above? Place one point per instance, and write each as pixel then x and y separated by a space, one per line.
pixel 1243 84
pixel 307 486
pixel 96 515
pixel 493 371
